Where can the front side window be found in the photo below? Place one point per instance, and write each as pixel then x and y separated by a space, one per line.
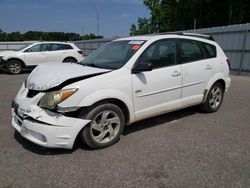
pixel 113 55
pixel 160 54
pixel 37 48
pixel 190 51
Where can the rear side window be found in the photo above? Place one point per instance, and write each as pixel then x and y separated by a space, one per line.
pixel 56 47
pixel 211 50
pixel 160 54
pixel 191 51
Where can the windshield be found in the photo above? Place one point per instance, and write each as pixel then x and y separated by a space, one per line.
pixel 23 47
pixel 113 55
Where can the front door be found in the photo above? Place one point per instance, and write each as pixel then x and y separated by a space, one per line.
pixel 159 90
pixel 36 54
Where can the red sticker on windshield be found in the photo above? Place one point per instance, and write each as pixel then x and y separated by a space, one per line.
pixel 135 47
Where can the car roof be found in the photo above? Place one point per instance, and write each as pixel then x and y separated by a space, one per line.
pixel 145 37
pixel 53 42
pixel 199 37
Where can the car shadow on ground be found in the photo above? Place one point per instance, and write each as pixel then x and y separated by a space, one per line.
pixel 135 127
pixel 158 120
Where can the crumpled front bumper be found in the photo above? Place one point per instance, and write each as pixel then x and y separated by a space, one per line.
pixel 44 127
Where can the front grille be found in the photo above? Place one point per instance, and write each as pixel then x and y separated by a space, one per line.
pixel 32 93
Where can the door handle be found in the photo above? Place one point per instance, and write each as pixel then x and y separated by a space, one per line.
pixel 208 67
pixel 176 73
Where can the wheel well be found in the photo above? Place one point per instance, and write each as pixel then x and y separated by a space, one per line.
pixel 118 103
pixel 16 59
pixel 70 58
pixel 222 82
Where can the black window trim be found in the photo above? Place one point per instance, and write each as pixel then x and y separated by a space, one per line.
pixel 177 60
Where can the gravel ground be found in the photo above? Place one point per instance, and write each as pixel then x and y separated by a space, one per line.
pixel 186 148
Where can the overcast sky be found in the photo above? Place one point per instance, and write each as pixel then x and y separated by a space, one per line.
pixel 116 16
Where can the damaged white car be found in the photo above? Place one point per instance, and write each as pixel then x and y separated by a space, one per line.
pixel 127 80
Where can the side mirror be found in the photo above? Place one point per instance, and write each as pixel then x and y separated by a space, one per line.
pixel 142 67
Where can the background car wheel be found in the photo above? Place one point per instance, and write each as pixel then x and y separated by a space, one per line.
pixel 14 67
pixel 105 128
pixel 214 98
pixel 69 60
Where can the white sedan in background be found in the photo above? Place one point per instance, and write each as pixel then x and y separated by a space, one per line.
pixel 27 57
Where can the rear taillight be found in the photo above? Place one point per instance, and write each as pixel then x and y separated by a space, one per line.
pixel 80 52
pixel 228 62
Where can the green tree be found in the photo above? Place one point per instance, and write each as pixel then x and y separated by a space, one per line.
pixel 174 15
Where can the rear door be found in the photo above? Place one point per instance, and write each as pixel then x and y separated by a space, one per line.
pixel 58 52
pixel 198 68
pixel 159 90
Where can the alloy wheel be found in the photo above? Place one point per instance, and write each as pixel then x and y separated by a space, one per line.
pixel 215 97
pixel 15 68
pixel 105 126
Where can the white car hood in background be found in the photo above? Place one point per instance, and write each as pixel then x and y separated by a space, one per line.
pixel 50 75
pixel 7 53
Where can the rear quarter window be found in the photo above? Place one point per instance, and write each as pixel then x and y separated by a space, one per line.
pixel 211 50
pixel 56 47
pixel 67 47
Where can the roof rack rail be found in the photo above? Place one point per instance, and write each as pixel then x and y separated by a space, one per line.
pixel 209 37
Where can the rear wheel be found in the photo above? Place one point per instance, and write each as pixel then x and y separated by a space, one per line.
pixel 69 60
pixel 214 98
pixel 105 128
pixel 14 67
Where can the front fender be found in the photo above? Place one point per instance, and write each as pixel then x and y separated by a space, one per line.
pixel 108 94
pixel 103 94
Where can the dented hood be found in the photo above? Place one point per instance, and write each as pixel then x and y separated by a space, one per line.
pixel 50 75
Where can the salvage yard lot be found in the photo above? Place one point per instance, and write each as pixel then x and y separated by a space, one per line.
pixel 186 148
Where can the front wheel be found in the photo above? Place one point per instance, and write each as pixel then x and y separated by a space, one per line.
pixel 214 98
pixel 14 67
pixel 69 60
pixel 105 128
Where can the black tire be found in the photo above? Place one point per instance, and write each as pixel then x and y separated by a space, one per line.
pixel 69 60
pixel 212 103
pixel 14 67
pixel 89 135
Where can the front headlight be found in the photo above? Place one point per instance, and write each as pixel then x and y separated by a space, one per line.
pixel 52 99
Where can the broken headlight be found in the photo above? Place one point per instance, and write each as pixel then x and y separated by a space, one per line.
pixel 51 99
